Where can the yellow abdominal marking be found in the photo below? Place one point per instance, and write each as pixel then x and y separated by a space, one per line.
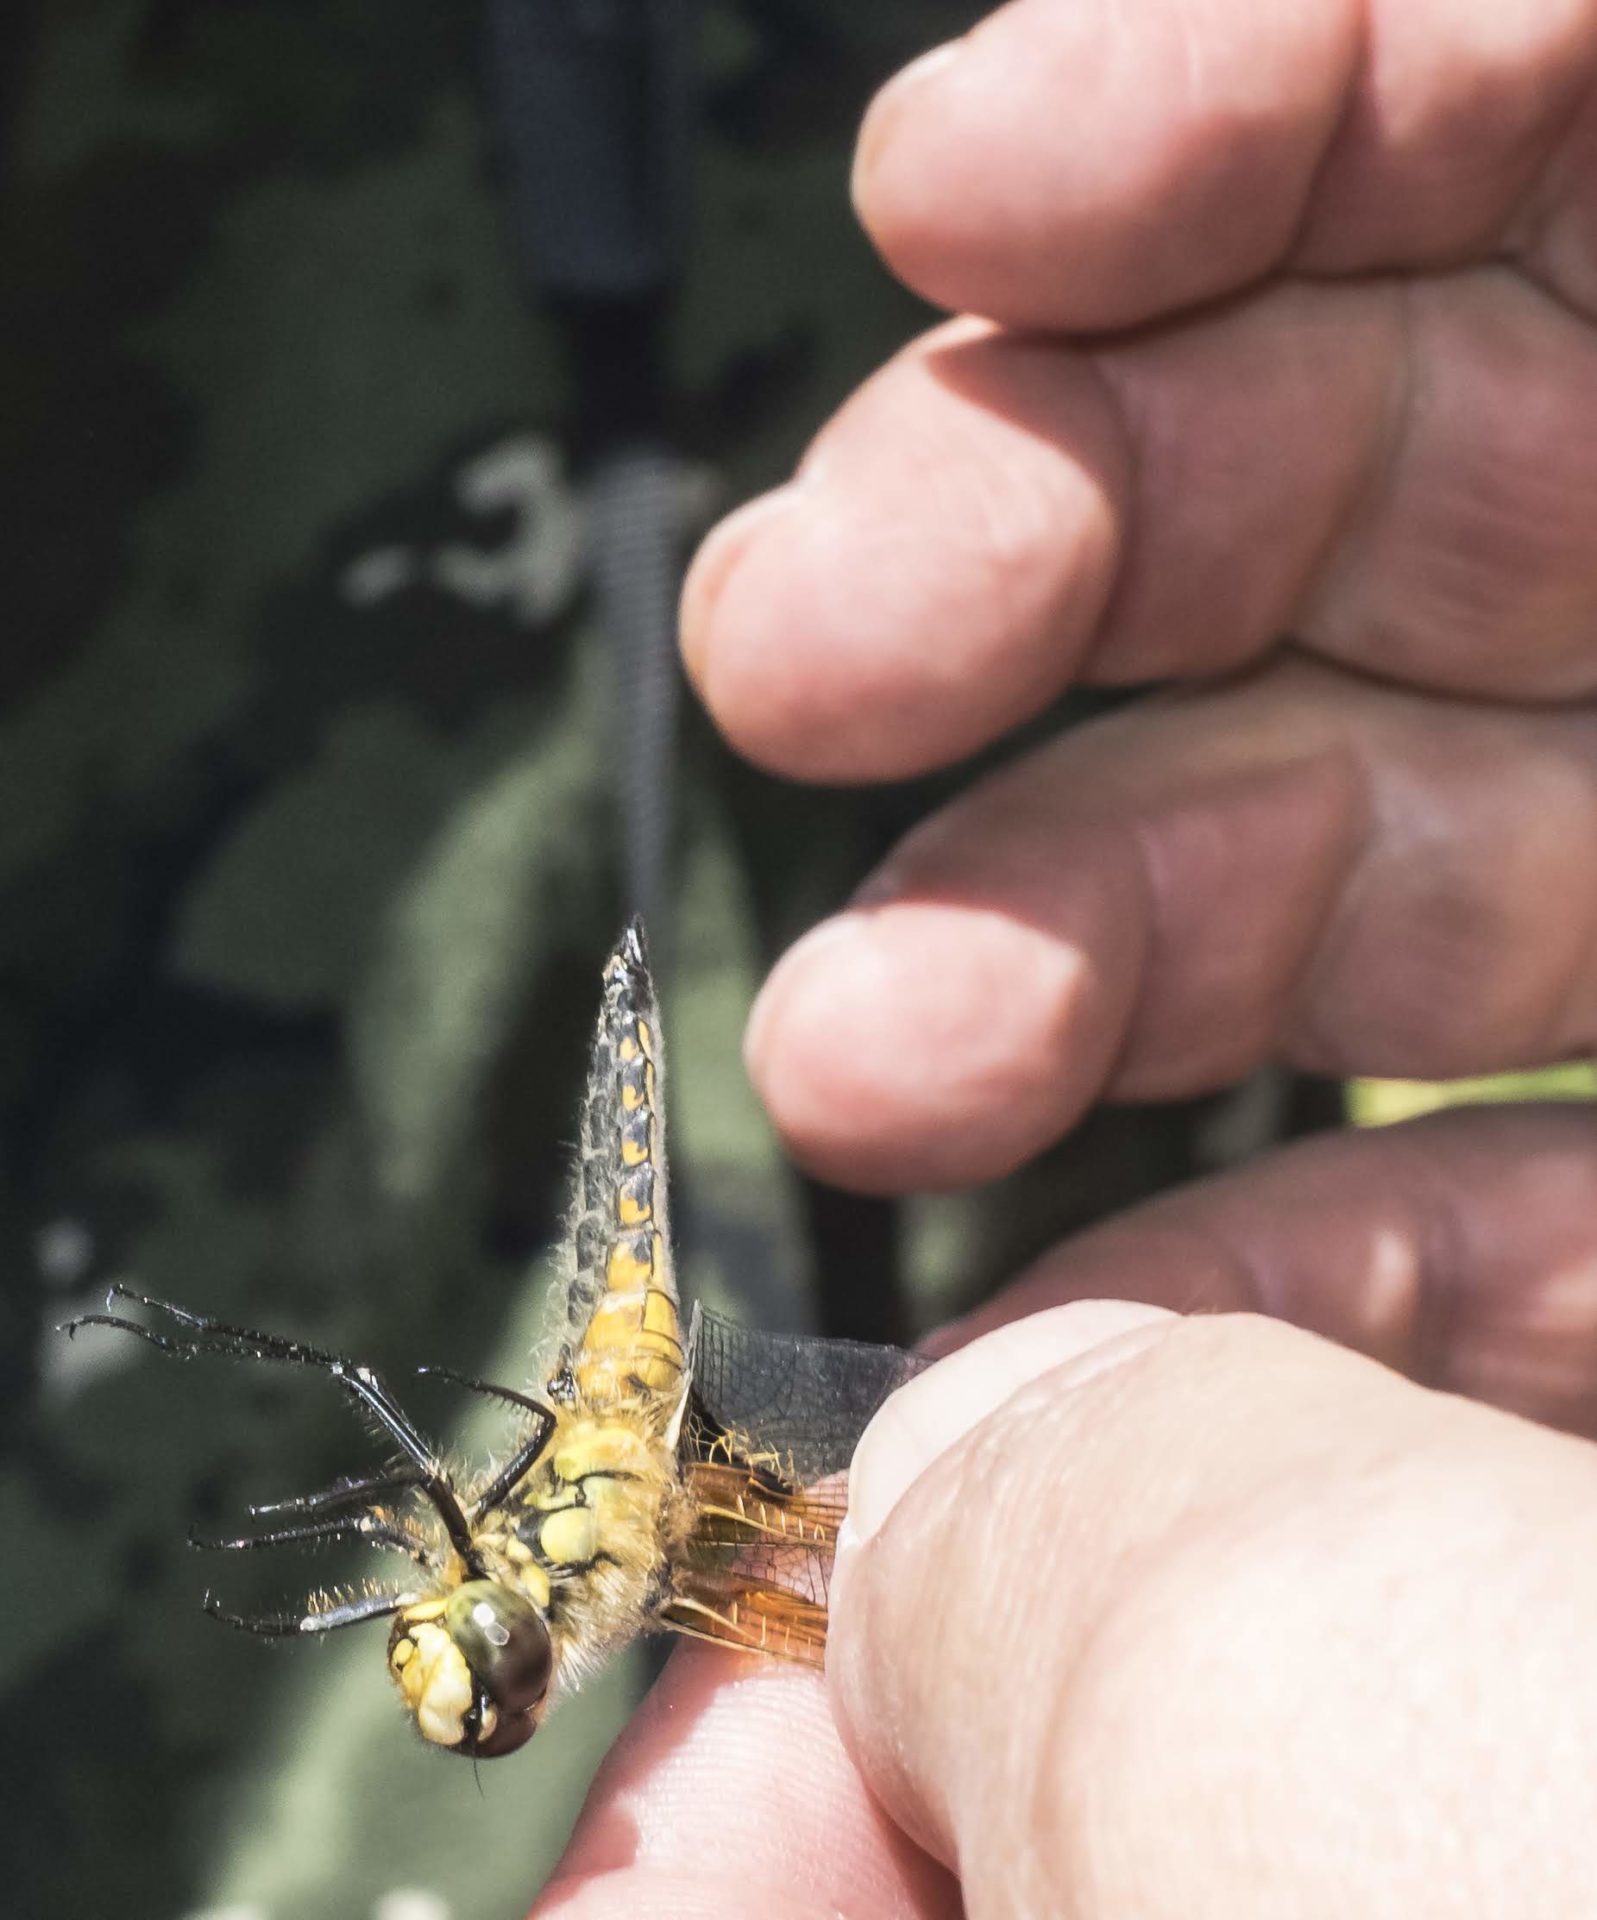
pixel 660 1317
pixel 630 1266
pixel 635 1334
pixel 636 1095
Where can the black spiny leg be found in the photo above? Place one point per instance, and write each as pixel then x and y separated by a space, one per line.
pixel 349 1613
pixel 526 1455
pixel 365 1386
pixel 358 1526
pixel 486 1387
pixel 347 1492
pixel 521 1462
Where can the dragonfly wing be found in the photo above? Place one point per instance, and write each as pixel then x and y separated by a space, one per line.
pixel 756 1572
pixel 790 1396
pixel 772 1422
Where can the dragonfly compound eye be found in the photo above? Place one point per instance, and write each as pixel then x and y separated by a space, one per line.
pixel 474 1668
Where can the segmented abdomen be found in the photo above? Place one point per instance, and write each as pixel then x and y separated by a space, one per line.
pixel 625 1330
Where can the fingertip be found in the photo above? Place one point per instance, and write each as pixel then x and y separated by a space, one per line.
pixel 935 1411
pixel 923 1045
pixel 711 568
pixel 1089 166
pixel 903 93
pixel 934 577
pixel 804 637
pixel 875 1640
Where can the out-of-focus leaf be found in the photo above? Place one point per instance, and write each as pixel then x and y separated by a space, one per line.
pixel 1378 1103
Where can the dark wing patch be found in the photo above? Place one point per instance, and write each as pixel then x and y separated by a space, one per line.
pixel 772 1422
pixel 791 1403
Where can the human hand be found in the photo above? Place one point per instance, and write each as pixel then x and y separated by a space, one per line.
pixel 1243 1625
pixel 1246 1624
pixel 1378 433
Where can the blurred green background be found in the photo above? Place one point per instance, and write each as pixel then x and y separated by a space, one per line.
pixel 309 857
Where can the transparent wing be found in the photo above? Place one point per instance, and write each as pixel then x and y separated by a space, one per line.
pixel 791 1396
pixel 772 1422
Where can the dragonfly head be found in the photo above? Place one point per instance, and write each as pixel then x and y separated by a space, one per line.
pixel 473 1668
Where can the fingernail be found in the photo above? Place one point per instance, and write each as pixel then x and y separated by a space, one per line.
pixel 713 565
pixel 882 115
pixel 937 1409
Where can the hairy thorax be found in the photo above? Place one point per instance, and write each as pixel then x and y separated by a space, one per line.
pixel 589 1536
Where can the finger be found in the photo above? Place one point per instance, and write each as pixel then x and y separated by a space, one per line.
pixel 1091 166
pixel 1405 478
pixel 1301 866
pixel 1220 1620
pixel 1463 1247
pixel 1460 1249
pixel 927 626
pixel 730 1794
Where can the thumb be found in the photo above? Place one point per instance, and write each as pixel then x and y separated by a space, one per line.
pixel 1143 1614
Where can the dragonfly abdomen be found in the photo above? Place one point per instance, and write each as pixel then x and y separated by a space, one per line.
pixel 626 1325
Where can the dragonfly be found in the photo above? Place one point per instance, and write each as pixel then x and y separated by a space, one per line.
pixel 650 1480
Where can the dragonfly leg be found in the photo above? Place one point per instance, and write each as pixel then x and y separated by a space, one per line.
pixel 361 1526
pixel 343 1493
pixel 348 1613
pixel 486 1387
pixel 518 1465
pixel 365 1386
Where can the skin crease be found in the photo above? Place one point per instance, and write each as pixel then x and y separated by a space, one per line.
pixel 1214 1612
